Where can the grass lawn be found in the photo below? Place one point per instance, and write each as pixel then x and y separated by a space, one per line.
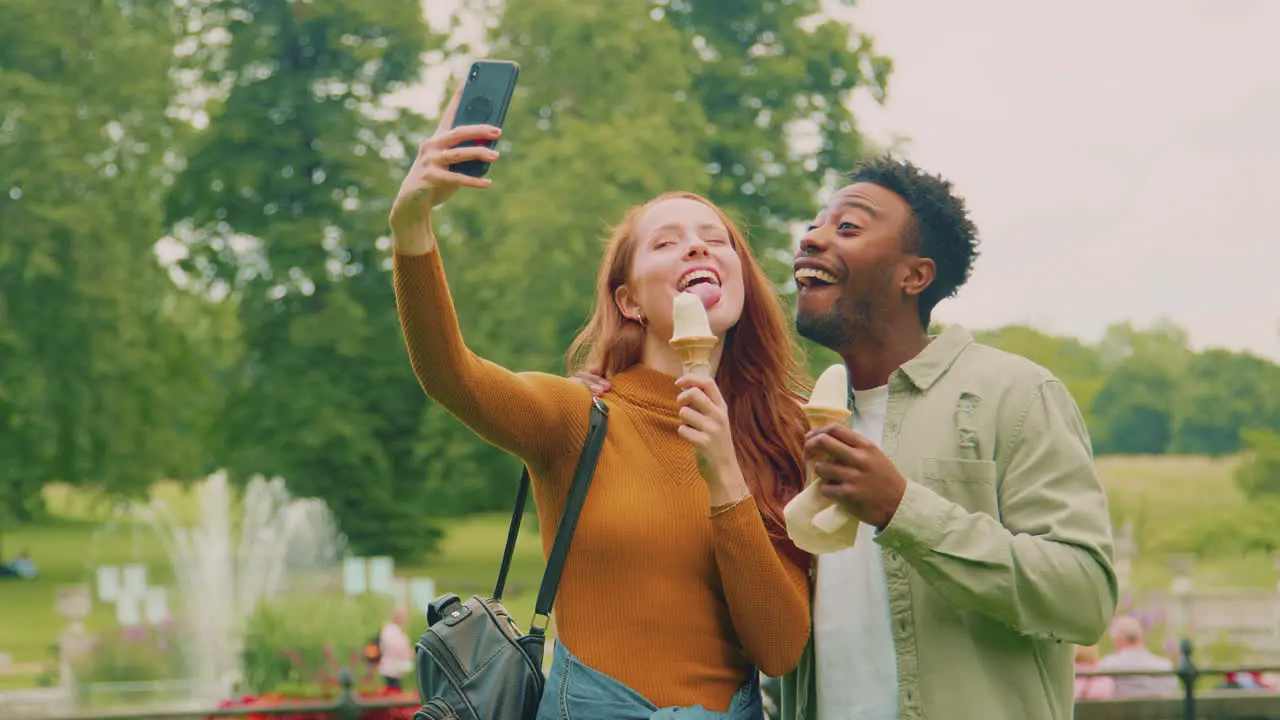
pixel 1160 495
pixel 1166 498
pixel 471 553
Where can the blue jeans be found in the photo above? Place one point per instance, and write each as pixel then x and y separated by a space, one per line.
pixel 577 692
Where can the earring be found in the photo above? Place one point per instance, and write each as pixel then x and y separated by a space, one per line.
pixel 644 322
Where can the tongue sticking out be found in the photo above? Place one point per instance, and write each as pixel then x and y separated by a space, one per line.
pixel 708 293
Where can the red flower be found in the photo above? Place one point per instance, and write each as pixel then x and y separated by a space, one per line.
pixel 250 702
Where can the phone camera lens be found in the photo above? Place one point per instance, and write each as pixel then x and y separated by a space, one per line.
pixel 475 72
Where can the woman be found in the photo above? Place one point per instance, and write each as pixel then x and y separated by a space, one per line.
pixel 681 582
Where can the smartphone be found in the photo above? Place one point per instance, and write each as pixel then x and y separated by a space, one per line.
pixel 484 101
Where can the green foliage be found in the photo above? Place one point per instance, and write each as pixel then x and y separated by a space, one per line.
pixel 1252 529
pixel 1224 392
pixel 1144 391
pixel 298 646
pixel 95 378
pixel 765 75
pixel 1187 505
pixel 279 206
pixel 1259 475
pixel 1133 411
pixel 131 655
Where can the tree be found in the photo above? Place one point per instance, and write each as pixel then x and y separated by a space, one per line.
pixel 1259 475
pixel 1220 393
pixel 1163 343
pixel 279 206
pixel 94 381
pixel 1134 409
pixel 1133 412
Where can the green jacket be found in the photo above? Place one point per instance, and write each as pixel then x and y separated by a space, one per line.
pixel 999 557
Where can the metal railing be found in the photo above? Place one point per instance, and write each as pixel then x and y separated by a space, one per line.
pixel 1193 704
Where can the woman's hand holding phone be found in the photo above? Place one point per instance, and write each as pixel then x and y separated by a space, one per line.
pixel 430 182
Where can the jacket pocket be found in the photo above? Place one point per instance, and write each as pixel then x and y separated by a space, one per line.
pixel 968 483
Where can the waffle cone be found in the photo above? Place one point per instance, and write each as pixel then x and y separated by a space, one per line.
pixel 695 354
pixel 820 416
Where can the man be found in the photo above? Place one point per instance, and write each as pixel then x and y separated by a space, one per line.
pixel 1130 642
pixel 985 545
pixel 22 567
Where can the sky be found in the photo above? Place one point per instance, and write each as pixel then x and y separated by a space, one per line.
pixel 1120 158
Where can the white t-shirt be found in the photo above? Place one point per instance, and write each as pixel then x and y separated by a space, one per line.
pixel 856 662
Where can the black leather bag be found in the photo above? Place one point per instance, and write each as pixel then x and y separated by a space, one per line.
pixel 473 663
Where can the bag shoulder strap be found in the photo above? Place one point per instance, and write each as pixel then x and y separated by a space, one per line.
pixel 568 519
pixel 572 508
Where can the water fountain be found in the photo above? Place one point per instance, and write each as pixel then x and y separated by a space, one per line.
pixel 222 576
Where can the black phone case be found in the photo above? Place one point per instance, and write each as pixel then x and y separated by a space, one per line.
pixel 484 101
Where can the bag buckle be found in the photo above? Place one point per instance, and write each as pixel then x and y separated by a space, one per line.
pixel 441 608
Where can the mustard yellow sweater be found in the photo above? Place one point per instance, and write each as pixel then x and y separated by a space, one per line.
pixel 658 592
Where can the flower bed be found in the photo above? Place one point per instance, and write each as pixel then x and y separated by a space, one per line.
pixel 297 646
pixel 250 703
pixel 297 651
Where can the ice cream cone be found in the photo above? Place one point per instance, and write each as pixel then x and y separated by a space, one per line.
pixel 695 354
pixel 833 517
pixel 816 523
pixel 820 416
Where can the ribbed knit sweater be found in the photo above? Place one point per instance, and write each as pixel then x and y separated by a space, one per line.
pixel 662 592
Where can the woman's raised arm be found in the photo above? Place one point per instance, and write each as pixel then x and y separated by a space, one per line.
pixel 532 415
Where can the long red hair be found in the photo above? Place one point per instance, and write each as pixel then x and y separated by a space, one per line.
pixel 759 373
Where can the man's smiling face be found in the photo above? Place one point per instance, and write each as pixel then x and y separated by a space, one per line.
pixel 847 265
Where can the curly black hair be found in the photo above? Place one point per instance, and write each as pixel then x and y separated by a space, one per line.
pixel 939 227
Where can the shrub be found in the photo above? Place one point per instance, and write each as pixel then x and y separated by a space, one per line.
pixel 1259 476
pixel 130 655
pixel 297 646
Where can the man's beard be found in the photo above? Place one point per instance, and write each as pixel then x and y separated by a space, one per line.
pixel 853 318
pixel 834 328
